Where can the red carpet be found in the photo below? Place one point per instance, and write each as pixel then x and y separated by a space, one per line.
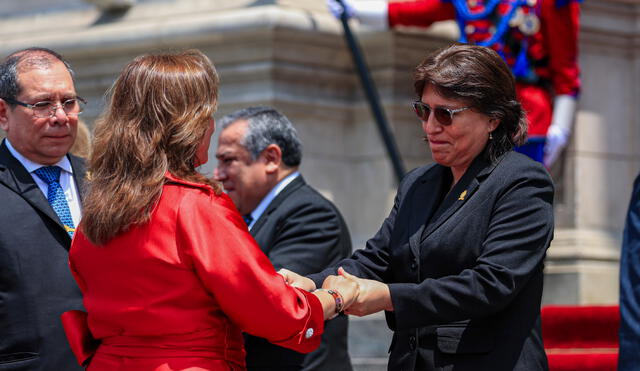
pixel 581 338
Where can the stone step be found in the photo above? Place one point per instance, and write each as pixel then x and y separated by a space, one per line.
pixel 369 364
pixel 369 340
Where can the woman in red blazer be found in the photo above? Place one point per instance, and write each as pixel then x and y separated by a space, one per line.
pixel 169 272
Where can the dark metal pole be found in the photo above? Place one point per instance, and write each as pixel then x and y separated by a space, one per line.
pixel 372 97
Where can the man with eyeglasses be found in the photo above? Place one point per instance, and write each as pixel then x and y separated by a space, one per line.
pixel 40 189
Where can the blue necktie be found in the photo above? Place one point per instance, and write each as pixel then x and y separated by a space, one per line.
pixel 247 219
pixel 55 195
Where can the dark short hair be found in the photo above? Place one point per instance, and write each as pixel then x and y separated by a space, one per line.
pixel 477 76
pixel 9 68
pixel 267 126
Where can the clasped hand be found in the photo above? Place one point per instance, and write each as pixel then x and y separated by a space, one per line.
pixel 370 297
pixel 296 280
pixel 373 296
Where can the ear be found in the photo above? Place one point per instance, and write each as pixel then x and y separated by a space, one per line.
pixel 272 156
pixel 493 124
pixel 4 111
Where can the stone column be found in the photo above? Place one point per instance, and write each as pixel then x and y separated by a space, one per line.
pixel 602 160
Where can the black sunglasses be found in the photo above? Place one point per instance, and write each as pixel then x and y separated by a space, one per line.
pixel 443 115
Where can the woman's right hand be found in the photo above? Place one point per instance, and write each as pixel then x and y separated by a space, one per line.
pixel 374 296
pixel 348 288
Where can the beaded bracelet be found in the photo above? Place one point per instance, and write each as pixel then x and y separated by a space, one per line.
pixel 338 299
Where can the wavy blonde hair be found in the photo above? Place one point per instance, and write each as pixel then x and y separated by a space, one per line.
pixel 158 112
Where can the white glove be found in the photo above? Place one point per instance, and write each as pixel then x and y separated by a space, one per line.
pixel 373 13
pixel 557 138
pixel 564 108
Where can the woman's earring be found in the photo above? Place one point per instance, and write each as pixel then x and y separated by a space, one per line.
pixel 490 136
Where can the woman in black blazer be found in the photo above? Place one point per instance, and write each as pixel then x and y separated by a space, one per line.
pixel 457 266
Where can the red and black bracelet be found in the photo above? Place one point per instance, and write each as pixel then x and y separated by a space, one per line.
pixel 338 299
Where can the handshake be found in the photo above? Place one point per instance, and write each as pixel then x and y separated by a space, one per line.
pixel 360 296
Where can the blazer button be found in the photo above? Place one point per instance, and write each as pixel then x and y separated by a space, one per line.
pixel 414 265
pixel 412 342
pixel 309 333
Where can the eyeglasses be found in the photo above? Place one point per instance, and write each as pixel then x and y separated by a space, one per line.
pixel 443 115
pixel 47 109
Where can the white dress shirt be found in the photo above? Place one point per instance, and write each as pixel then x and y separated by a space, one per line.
pixel 66 181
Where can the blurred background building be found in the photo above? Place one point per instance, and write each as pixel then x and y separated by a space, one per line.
pixel 292 55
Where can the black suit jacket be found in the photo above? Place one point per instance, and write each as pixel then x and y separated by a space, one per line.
pixel 464 268
pixel 302 231
pixel 36 285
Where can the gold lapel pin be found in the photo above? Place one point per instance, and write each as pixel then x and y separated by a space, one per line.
pixel 462 195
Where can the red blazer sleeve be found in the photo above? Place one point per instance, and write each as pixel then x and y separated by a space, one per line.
pixel 82 343
pixel 81 284
pixel 560 31
pixel 232 267
pixel 74 322
pixel 419 13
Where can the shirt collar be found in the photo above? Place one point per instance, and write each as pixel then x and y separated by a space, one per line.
pixel 262 206
pixel 31 166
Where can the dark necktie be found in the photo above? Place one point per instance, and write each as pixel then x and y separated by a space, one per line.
pixel 247 219
pixel 55 195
